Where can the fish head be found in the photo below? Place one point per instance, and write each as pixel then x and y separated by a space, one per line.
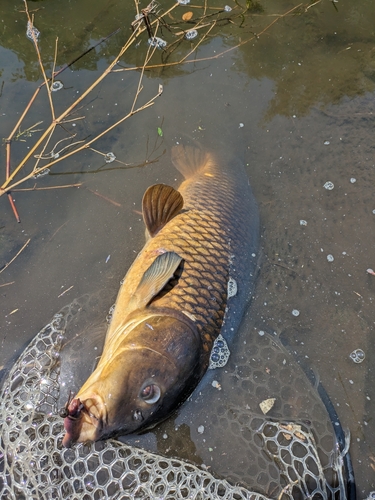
pixel 151 372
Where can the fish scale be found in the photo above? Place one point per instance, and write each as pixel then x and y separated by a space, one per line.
pixel 173 302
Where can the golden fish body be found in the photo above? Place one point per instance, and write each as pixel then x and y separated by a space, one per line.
pixel 174 299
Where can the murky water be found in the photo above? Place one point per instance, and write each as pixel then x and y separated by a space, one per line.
pixel 296 104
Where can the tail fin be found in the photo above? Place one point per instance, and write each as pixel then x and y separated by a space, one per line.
pixel 190 160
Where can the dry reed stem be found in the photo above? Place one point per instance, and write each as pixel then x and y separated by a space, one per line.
pixel 65 291
pixel 31 21
pixel 14 258
pixel 216 56
pixel 46 188
pixel 46 136
pixel 44 140
pixel 13 205
pixel 7 284
pixel 104 197
pixel 86 145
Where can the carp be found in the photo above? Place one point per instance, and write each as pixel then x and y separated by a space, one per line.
pixel 174 300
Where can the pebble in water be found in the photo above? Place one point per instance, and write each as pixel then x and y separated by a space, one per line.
pixel 329 185
pixel 357 355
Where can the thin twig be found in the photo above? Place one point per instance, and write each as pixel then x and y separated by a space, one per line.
pixel 7 284
pixel 17 254
pixel 65 291
pixel 216 56
pixel 104 197
pixel 31 21
pixel 13 205
pixel 46 188
pixel 49 131
pixel 57 230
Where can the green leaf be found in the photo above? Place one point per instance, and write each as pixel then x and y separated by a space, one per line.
pixel 160 132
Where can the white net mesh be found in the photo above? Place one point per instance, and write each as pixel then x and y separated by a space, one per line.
pixel 33 464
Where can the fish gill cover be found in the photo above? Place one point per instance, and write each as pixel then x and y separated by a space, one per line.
pixel 288 457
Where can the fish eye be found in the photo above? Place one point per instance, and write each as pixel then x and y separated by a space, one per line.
pixel 150 394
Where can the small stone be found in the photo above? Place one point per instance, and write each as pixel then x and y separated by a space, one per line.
pixel 330 258
pixel 201 429
pixel 353 180
pixel 327 143
pixel 329 185
pixel 303 222
pixel 295 312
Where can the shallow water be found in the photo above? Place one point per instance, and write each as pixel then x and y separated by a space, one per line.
pixel 296 105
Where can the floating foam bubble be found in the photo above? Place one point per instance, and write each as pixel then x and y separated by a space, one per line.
pixel 232 288
pixel 57 85
pixel 31 32
pixel 357 355
pixel 155 41
pixel 191 34
pixel 109 157
pixel 220 353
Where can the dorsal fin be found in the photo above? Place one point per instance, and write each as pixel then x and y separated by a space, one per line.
pixel 189 160
pixel 159 205
pixel 155 278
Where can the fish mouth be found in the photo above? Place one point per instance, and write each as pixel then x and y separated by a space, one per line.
pixel 84 421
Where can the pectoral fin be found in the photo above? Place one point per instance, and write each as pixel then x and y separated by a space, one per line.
pixel 155 278
pixel 159 205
